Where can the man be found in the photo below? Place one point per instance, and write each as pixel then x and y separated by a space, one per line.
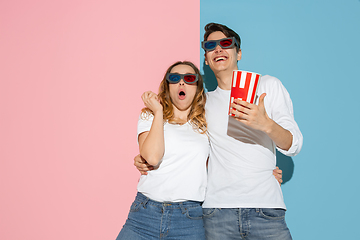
pixel 243 199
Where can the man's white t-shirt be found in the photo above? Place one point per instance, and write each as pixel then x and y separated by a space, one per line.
pixel 181 175
pixel 242 160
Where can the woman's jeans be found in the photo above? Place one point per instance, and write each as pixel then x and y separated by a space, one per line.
pixel 149 219
pixel 245 223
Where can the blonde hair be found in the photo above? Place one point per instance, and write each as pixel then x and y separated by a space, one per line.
pixel 196 116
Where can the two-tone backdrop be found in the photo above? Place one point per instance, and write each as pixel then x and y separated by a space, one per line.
pixel 71 77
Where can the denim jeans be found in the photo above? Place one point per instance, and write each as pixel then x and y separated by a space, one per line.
pixel 245 223
pixel 149 219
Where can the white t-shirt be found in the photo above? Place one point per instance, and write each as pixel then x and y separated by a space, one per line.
pixel 181 175
pixel 242 160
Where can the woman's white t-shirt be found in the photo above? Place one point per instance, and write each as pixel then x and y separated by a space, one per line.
pixel 181 174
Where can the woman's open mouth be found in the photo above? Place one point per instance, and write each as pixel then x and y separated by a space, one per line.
pixel 182 95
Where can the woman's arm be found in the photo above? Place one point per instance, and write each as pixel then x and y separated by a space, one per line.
pixel 278 175
pixel 151 144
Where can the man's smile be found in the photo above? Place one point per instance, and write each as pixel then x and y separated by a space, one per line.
pixel 220 58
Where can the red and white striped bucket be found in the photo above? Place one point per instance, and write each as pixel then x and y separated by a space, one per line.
pixel 244 86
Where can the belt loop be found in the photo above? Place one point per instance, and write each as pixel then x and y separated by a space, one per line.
pixel 145 202
pixel 183 209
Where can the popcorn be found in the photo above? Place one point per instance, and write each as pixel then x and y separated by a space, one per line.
pixel 244 86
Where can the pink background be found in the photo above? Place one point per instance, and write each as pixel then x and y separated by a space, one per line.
pixel 71 77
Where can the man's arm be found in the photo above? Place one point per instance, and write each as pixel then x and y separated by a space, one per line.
pixel 255 116
pixel 141 165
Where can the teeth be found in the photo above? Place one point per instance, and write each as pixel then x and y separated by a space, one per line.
pixel 219 58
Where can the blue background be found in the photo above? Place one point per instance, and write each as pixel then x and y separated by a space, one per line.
pixel 313 48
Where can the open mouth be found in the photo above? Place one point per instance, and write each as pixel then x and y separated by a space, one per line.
pixel 220 58
pixel 182 95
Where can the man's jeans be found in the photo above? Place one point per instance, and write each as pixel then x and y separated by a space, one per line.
pixel 149 219
pixel 245 223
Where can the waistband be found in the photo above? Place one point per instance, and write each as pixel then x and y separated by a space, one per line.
pixel 145 200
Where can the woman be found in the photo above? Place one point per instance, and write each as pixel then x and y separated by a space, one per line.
pixel 172 138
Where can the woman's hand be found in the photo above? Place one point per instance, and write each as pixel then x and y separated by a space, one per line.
pixel 278 175
pixel 152 102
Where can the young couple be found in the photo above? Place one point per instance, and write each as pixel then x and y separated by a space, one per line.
pixel 237 195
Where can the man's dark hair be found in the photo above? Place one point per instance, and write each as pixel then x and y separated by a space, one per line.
pixel 216 27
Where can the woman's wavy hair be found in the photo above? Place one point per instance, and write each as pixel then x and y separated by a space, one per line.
pixel 196 115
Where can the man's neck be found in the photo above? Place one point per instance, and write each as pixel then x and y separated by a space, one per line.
pixel 224 79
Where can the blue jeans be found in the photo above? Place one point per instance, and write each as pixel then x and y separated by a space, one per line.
pixel 149 219
pixel 245 223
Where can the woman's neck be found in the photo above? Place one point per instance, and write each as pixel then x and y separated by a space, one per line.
pixel 181 116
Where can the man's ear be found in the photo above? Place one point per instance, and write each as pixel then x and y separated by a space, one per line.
pixel 206 62
pixel 239 55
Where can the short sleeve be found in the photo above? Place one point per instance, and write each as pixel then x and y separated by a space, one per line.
pixel 144 123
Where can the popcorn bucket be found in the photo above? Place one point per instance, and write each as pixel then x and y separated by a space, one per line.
pixel 244 86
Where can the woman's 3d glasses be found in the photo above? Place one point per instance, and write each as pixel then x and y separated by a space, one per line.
pixel 189 78
pixel 224 43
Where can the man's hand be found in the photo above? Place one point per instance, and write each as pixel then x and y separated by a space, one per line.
pixel 141 165
pixel 255 116
pixel 278 175
pixel 252 115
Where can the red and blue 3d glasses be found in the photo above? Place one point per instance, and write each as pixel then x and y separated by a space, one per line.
pixel 223 43
pixel 189 78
